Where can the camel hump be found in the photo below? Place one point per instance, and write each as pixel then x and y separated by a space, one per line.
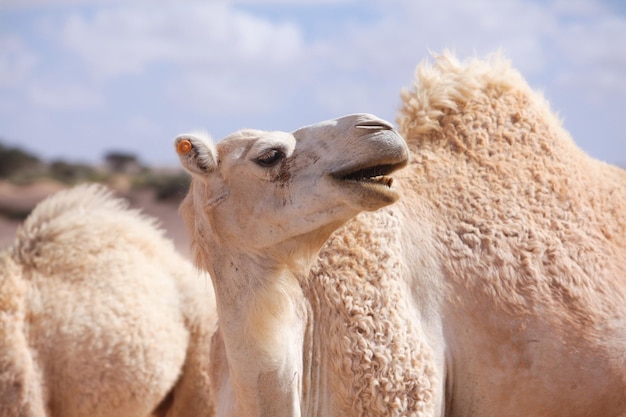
pixel 76 223
pixel 442 87
pixel 80 199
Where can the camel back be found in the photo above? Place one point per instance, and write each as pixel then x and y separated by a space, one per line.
pixel 79 224
pixel 527 219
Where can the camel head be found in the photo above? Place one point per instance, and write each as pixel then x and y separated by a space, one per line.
pixel 256 189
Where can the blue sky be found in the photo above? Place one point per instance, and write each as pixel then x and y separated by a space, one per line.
pixel 79 78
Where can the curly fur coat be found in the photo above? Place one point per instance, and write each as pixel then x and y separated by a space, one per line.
pixel 99 316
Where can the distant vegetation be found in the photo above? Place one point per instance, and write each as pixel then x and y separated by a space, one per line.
pixel 14 160
pixel 21 167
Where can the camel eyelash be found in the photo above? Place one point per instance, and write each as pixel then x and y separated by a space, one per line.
pixel 270 157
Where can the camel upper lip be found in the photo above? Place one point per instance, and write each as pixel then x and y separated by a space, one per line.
pixel 377 173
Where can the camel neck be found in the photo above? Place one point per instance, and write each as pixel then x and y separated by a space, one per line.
pixel 262 320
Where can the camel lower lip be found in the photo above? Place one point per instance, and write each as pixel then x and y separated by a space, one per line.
pixel 371 189
pixel 381 180
pixel 373 173
pixel 372 184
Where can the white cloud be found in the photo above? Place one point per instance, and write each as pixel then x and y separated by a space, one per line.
pixel 31 4
pixel 66 96
pixel 212 36
pixel 294 2
pixel 579 8
pixel 16 61
pixel 407 30
pixel 595 56
pixel 218 60
pixel 56 4
pixel 369 62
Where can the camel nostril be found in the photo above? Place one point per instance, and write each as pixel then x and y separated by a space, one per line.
pixel 374 125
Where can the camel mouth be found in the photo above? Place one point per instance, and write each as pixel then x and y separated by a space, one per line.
pixel 376 175
pixel 375 179
pixel 366 181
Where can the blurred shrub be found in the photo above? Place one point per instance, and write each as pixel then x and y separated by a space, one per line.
pixel 14 213
pixel 15 162
pixel 167 185
pixel 70 173
pixel 122 162
pixel 21 167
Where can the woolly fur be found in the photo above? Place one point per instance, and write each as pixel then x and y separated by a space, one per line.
pixel 379 365
pixel 526 209
pixel 100 316
pixel 531 235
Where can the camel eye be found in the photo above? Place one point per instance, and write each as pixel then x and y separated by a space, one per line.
pixel 270 158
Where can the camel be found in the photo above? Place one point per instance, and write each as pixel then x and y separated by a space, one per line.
pixel 494 285
pixel 254 233
pixel 99 316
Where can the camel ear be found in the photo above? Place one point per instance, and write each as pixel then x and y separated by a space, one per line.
pixel 197 153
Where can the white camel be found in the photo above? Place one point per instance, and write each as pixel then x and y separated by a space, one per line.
pixel 256 235
pixel 495 286
pixel 99 316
